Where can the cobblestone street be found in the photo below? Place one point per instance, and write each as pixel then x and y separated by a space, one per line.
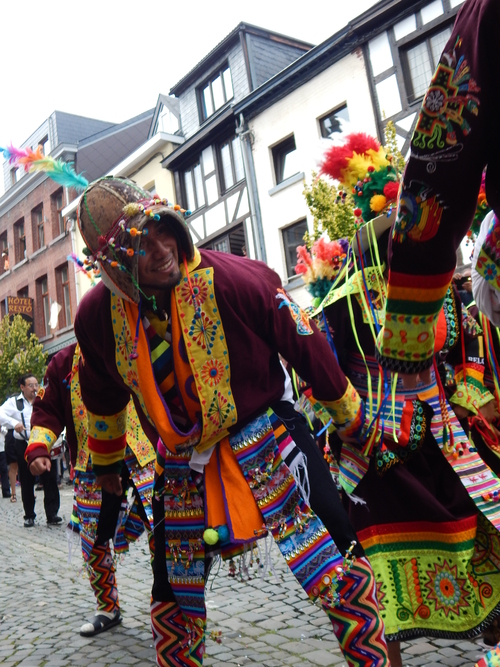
pixel 44 600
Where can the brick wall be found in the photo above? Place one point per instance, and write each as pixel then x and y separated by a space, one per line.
pixel 39 262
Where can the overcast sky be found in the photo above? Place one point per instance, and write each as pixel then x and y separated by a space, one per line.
pixel 110 59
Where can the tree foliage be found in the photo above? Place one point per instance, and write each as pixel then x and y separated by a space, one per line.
pixel 332 210
pixel 20 353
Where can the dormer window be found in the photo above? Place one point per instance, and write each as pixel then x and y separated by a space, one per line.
pixel 215 93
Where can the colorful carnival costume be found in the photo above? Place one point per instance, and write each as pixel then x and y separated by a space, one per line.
pixel 203 380
pixel 455 138
pixel 98 517
pixel 433 541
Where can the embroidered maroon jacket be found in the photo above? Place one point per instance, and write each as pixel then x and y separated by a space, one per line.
pixel 258 324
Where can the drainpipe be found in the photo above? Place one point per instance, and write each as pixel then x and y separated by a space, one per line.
pixel 255 216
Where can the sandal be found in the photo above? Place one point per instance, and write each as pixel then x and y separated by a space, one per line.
pixel 13 498
pixel 99 624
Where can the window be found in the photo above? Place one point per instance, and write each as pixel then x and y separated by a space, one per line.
pixel 193 186
pixel 285 159
pixel 231 161
pixel 19 241
pixel 57 205
pixel 334 122
pixel 293 236
pixel 16 175
pixel 43 305
pixel 233 242
pixel 167 121
pixel 4 250
pixel 23 293
pixel 63 295
pixel 44 144
pixel 215 93
pixel 421 61
pixel 38 228
pixel 151 188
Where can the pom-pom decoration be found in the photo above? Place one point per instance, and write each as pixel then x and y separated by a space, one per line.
pixel 362 166
pixel 223 532
pixel 210 536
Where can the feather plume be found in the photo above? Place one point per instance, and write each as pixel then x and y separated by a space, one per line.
pixel 60 172
pixel 15 154
pixel 335 161
pixel 30 157
pixel 360 143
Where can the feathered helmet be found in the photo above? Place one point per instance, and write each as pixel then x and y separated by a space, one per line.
pixel 362 166
pixel 112 214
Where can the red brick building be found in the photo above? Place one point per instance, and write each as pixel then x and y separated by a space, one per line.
pixel 35 239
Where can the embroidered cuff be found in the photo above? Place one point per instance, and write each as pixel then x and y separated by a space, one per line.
pixel 471 394
pixel 344 412
pixel 107 437
pixel 406 341
pixel 40 443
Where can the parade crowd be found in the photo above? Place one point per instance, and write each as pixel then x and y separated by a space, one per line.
pixel 203 406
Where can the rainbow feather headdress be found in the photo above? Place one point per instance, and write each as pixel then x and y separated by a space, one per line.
pixel 362 166
pixel 32 161
pixel 320 267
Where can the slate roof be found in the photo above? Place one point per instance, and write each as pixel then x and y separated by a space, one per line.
pixel 100 152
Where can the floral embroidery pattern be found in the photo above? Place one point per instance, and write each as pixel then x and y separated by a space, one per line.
pixel 452 91
pixel 446 588
pixel 211 372
pixel 199 293
pixel 300 318
pixel 207 352
pixel 203 331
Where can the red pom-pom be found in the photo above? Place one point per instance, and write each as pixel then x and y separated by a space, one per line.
pixel 357 212
pixel 391 190
pixel 101 240
pixel 360 143
pixel 335 161
pixel 371 169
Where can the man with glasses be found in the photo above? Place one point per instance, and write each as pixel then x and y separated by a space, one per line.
pixel 15 414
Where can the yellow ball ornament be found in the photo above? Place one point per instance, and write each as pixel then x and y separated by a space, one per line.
pixel 210 536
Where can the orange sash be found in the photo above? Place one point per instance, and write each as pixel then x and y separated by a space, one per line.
pixel 225 485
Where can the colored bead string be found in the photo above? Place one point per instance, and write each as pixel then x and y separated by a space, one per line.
pixel 329 593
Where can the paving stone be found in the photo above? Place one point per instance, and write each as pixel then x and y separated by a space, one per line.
pixel 265 622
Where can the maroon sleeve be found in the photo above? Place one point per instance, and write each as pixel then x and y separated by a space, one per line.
pixel 457 134
pixel 51 406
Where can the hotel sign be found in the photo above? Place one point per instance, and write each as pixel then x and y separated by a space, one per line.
pixel 20 305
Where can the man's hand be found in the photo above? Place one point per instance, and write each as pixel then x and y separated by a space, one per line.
pixel 19 427
pixel 40 465
pixel 489 411
pixel 410 379
pixel 111 483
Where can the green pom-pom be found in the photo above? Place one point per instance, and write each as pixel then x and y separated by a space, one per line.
pixel 211 536
pixel 86 251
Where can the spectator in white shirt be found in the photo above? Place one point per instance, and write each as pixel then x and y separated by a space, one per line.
pixel 15 414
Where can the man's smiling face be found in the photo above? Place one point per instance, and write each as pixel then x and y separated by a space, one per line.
pixel 159 267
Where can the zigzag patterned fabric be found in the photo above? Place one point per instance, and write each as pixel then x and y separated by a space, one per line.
pixel 309 550
pixel 102 578
pixel 356 621
pixel 302 538
pixel 175 647
pixel 491 659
